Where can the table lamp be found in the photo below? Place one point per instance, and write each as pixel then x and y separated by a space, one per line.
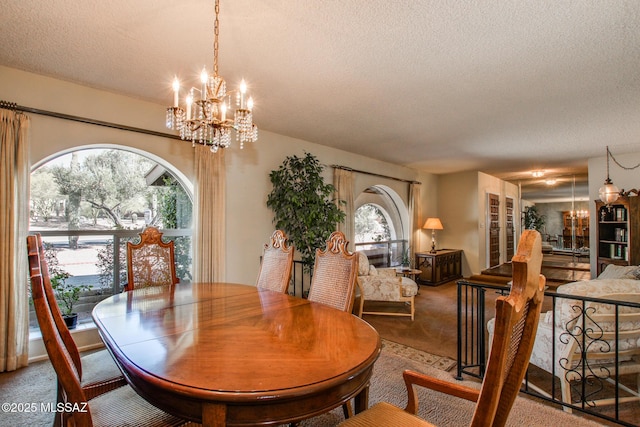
pixel 433 224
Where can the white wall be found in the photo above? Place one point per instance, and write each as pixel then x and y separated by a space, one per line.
pixel 462 203
pixel 249 221
pixel 458 209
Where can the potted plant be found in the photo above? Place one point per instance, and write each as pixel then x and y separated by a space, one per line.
pixel 532 219
pixel 302 205
pixel 66 294
pixel 405 258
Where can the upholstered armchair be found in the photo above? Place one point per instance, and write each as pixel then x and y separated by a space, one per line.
pixel 591 342
pixel 383 285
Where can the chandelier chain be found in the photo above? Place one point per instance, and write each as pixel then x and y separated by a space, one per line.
pixel 216 31
pixel 210 117
pixel 618 163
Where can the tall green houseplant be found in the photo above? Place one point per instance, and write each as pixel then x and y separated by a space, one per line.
pixel 533 220
pixel 302 205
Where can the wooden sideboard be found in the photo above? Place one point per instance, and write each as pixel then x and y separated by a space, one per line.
pixel 440 267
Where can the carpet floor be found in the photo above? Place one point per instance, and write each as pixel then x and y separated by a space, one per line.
pixel 387 385
pixel 37 384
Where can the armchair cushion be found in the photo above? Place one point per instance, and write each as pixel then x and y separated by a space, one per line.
pixel 565 307
pixel 383 285
pixel 620 272
pixel 363 264
pixel 382 288
pixel 388 272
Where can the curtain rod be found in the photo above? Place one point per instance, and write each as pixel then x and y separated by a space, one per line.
pixel 15 107
pixel 375 174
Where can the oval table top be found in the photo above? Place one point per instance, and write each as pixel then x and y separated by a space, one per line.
pixel 230 354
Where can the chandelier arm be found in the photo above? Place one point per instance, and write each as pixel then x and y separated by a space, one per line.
pixel 209 122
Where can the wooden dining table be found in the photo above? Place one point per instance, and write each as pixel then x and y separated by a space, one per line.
pixel 230 354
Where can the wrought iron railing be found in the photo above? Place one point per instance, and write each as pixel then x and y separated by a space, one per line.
pixel 300 279
pixel 571 321
pixel 386 253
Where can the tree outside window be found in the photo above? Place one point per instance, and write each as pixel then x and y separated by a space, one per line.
pixel 371 224
pixel 110 190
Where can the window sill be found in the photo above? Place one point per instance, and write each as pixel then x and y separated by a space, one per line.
pixel 36 334
pixel 85 335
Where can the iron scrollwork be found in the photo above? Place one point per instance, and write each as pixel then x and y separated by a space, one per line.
pixel 585 336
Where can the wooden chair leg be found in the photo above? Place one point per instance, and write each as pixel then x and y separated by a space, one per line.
pixel 347 410
pixel 58 416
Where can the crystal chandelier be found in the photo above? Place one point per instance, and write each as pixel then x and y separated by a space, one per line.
pixel 206 119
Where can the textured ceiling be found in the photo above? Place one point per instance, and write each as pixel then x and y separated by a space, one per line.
pixel 503 87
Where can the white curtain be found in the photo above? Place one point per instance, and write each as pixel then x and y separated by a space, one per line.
pixel 415 219
pixel 343 182
pixel 209 237
pixel 14 225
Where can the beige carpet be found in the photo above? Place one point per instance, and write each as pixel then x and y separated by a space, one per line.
pixel 37 384
pixel 387 385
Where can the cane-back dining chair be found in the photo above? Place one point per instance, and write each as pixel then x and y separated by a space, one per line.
pixel 101 374
pixel 277 261
pixel 334 280
pixel 150 262
pixel 119 406
pixel 515 329
pixel 334 274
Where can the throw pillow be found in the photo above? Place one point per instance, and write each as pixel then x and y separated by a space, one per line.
pixel 618 272
pixel 363 264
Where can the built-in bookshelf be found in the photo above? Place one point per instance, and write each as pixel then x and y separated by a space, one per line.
pixel 618 241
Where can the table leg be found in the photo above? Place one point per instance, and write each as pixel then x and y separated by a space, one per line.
pixel 214 415
pixel 361 401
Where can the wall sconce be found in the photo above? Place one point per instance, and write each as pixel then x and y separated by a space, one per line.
pixel 433 224
pixel 608 193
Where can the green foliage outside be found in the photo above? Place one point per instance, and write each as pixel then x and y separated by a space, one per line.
pixel 175 211
pixel 44 195
pixel 100 190
pixel 302 205
pixel 105 264
pixel 109 184
pixel 66 294
pixel 371 225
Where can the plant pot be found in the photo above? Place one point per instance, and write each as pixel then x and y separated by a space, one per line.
pixel 71 320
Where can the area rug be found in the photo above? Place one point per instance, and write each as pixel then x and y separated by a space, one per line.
pixel 37 384
pixel 428 359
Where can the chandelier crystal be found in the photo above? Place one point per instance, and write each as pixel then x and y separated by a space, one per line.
pixel 211 112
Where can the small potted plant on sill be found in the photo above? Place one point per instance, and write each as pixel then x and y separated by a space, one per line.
pixel 67 295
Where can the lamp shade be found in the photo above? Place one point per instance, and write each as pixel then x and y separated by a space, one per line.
pixel 433 224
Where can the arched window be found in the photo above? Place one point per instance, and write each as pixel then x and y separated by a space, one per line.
pixel 371 224
pixel 88 203
pixel 381 226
